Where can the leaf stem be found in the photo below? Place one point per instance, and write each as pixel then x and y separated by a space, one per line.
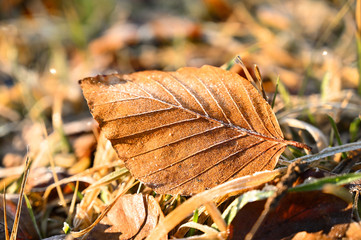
pixel 298 144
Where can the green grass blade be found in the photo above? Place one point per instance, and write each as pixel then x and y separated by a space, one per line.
pixel 358 42
pixel 285 95
pixel 337 134
pixel 325 85
pixel 355 128
pixel 251 196
pixel 31 212
pixel 229 65
pixel 318 184
pixel 276 91
pixel 195 219
pixel 66 228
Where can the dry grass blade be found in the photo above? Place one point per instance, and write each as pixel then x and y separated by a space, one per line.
pixel 358 40
pixel 338 191
pixel 5 218
pixel 358 16
pixel 330 152
pixel 20 201
pixel 209 233
pixel 204 228
pixel 216 216
pixel 82 176
pixel 260 81
pixel 107 179
pixel 84 211
pixel 335 20
pixel 316 133
pixel 9 172
pixel 186 131
pixel 73 201
pixel 257 84
pixel 55 176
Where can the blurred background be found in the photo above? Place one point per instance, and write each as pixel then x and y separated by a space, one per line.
pixel 47 46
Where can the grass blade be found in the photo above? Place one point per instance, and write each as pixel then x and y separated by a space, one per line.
pixel 318 184
pixel 227 66
pixel 325 85
pixel 231 211
pixel 276 91
pixel 195 219
pixel 52 165
pixel 216 216
pixel 358 41
pixel 5 218
pixel 285 95
pixel 355 128
pixel 327 152
pixel 107 179
pixel 337 134
pixel 73 201
pixel 20 202
pixel 31 212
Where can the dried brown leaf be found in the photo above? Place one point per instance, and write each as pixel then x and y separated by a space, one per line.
pixel 186 131
pixel 132 217
pixel 314 212
pixel 26 229
pixel 345 231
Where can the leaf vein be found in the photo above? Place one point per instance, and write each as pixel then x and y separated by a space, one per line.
pixel 179 140
pixel 234 102
pixel 244 165
pixel 217 163
pixel 155 128
pixel 165 89
pixel 196 153
pixel 142 114
pixel 213 97
pixel 190 92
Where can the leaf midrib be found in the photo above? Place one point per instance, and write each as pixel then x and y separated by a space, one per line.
pixel 198 115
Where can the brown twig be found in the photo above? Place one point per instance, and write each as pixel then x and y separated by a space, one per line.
pixel 5 217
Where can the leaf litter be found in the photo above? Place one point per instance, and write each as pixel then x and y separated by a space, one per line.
pixel 41 105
